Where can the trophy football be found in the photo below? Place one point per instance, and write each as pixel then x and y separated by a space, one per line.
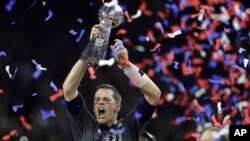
pixel 110 16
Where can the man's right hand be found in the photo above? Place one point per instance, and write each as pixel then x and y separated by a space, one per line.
pixel 95 31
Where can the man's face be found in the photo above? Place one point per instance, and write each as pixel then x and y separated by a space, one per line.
pixel 105 107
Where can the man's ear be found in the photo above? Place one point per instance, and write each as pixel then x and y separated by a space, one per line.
pixel 118 107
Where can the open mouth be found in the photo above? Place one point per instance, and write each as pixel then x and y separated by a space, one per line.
pixel 101 112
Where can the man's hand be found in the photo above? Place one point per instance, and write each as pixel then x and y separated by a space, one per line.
pixel 121 54
pixel 95 31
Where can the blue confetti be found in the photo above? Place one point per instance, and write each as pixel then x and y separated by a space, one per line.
pixel 9 5
pixel 117 131
pixel 181 119
pixel 137 115
pixel 47 114
pixel 159 25
pixel 142 38
pixel 32 4
pixel 181 87
pixel 37 74
pixel 50 14
pixel 79 20
pixel 176 64
pixel 53 86
pixel 2 53
pixel 80 36
pixel 216 81
pixel 34 94
pixel 13 77
pixel 165 79
pixel 73 32
pixel 241 50
pixel 197 119
pixel 15 107
pixel 193 89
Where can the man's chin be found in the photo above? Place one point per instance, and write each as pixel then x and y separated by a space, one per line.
pixel 102 121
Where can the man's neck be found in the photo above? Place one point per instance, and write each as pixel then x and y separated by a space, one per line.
pixel 110 124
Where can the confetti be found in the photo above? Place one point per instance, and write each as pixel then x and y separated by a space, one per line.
pixel 7 68
pixel 92 73
pixel 109 62
pixel 16 107
pixel 129 19
pixel 52 84
pixel 2 53
pixel 9 135
pixel 50 15
pixel 80 20
pixel 9 5
pixel 47 114
pixel 1 91
pixel 121 32
pixel 44 3
pixel 246 61
pixel 137 15
pixel 34 94
pixel 80 36
pixel 73 32
pixel 137 115
pixel 118 132
pixel 57 95
pixel 24 123
pixel 176 64
pixel 176 33
pixel 32 5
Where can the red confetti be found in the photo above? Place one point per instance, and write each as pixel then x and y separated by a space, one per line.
pixel 44 3
pixel 92 73
pixel 55 96
pixel 24 123
pixel 8 136
pixel 1 91
pixel 121 32
pixel 129 19
pixel 151 73
pixel 13 132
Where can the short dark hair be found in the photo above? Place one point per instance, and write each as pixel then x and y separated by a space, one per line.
pixel 116 94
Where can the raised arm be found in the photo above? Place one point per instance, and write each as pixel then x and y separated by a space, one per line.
pixel 74 77
pixel 150 91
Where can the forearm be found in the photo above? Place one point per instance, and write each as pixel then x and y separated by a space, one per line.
pixel 73 79
pixel 150 91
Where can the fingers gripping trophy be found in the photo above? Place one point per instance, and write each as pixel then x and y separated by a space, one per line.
pixel 110 16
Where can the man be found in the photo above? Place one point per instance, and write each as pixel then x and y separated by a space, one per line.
pixel 104 125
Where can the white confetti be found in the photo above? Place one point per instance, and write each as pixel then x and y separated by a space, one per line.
pixel 246 62
pixel 112 3
pixel 219 108
pixel 172 35
pixel 109 62
pixel 7 68
pixel 137 14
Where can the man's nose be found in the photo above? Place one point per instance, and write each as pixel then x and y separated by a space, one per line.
pixel 101 102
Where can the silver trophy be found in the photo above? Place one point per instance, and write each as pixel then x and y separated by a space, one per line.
pixel 110 16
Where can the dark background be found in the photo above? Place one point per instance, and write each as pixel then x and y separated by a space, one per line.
pixel 26 35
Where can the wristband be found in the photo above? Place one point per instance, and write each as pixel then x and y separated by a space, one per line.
pixel 138 77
